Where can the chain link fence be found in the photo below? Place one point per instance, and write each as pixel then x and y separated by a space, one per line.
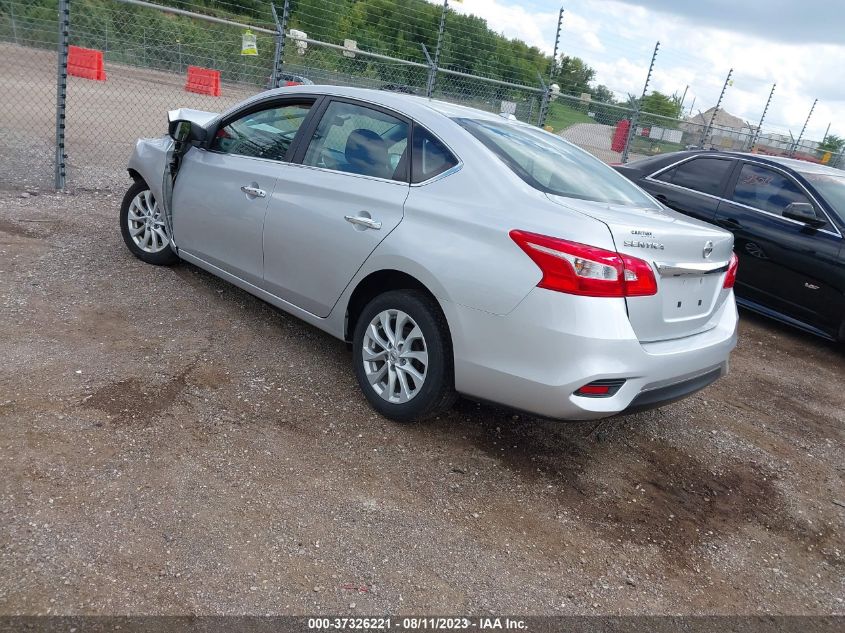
pixel 418 48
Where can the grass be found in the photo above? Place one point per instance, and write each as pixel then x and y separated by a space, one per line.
pixel 561 116
pixel 649 147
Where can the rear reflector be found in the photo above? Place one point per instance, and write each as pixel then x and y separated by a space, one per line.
pixel 600 388
pixel 580 269
pixel 730 278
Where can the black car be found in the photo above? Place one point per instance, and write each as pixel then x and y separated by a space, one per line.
pixel 787 217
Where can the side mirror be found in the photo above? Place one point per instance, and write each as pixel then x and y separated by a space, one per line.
pixel 802 212
pixel 183 131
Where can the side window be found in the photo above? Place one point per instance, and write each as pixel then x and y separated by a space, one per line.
pixel 359 140
pixel 430 156
pixel 699 174
pixel 263 134
pixel 766 189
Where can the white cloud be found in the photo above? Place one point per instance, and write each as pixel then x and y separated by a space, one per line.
pixel 511 19
pixel 617 40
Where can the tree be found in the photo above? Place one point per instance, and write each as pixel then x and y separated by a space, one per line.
pixel 603 94
pixel 573 75
pixel 661 104
pixel 832 143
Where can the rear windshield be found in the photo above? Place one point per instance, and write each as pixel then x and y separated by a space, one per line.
pixel 832 189
pixel 550 164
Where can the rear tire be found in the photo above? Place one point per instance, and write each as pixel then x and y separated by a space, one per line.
pixel 402 355
pixel 143 228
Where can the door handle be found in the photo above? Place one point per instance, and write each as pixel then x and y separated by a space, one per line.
pixel 359 220
pixel 662 199
pixel 254 191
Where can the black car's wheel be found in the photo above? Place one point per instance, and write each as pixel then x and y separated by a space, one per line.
pixel 403 356
pixel 143 228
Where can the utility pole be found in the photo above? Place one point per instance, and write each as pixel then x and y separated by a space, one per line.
pixel 803 129
pixel 635 117
pixel 709 127
pixel 756 135
pixel 432 69
pixel 544 105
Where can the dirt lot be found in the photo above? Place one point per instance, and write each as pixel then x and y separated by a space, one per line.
pixel 171 445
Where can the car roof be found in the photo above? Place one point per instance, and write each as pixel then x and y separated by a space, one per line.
pixel 404 103
pixel 802 166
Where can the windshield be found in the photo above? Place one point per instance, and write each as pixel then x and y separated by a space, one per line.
pixel 832 189
pixel 550 164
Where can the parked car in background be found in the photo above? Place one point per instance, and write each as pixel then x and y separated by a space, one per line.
pixel 457 251
pixel 288 79
pixel 787 217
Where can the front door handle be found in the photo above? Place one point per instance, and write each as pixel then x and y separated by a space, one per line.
pixel 359 220
pixel 254 191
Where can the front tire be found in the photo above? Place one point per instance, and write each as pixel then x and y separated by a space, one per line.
pixel 143 228
pixel 402 355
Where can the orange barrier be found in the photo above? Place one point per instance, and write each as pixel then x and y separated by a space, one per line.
pixel 85 62
pixel 203 81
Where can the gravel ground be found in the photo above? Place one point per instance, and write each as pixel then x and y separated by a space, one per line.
pixel 172 445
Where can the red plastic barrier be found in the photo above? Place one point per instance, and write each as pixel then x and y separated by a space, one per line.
pixel 203 81
pixel 85 62
pixel 620 135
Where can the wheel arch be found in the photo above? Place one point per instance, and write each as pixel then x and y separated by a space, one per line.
pixel 379 282
pixel 136 176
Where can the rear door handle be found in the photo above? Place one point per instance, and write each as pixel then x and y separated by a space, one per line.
pixel 254 191
pixel 359 220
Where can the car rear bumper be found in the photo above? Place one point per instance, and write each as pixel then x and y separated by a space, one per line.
pixel 536 357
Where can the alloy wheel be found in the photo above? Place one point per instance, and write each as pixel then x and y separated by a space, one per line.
pixel 146 223
pixel 395 356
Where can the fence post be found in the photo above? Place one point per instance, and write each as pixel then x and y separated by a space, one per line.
pixel 803 129
pixel 12 16
pixel 544 101
pixel 281 27
pixel 636 115
pixel 709 127
pixel 547 92
pixel 432 68
pixel 61 91
pixel 756 135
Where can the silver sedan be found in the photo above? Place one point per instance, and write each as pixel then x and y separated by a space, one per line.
pixel 458 251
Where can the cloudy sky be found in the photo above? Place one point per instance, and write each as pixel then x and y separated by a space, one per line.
pixel 799 44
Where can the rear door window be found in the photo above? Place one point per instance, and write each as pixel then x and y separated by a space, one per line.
pixel 706 175
pixel 356 139
pixel 766 189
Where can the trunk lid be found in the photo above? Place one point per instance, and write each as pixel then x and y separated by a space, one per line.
pixel 689 279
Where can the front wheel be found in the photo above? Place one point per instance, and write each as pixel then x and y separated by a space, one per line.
pixel 403 356
pixel 143 228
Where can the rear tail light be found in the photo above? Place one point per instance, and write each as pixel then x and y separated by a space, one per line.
pixel 579 269
pixel 600 388
pixel 730 278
